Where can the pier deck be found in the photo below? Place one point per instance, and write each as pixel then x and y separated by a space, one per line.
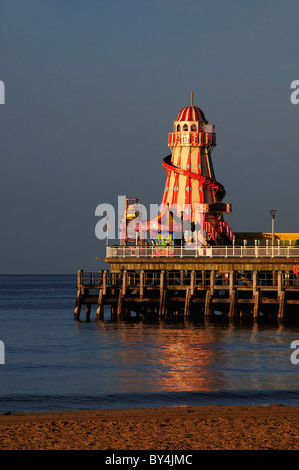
pixel 256 288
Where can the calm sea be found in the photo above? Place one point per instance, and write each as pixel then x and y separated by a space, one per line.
pixel 55 363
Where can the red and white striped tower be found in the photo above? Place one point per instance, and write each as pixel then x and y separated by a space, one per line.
pixel 190 184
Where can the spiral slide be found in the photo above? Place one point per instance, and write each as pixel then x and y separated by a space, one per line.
pixel 218 232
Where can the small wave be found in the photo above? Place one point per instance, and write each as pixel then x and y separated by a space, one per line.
pixel 43 403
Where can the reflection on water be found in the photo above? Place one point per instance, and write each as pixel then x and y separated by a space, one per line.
pixel 187 359
pixel 53 362
pixel 165 357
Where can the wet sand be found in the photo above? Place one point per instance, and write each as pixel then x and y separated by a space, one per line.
pixel 272 427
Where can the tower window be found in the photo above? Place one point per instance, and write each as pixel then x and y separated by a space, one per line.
pixel 185 127
pixel 194 127
pixel 178 128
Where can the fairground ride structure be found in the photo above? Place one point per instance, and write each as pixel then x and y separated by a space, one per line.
pixel 192 200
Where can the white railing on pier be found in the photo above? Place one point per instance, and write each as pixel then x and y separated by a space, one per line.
pixel 234 251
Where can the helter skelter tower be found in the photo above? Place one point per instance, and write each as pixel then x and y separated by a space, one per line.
pixel 190 184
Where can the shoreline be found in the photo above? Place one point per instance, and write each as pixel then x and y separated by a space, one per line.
pixel 203 427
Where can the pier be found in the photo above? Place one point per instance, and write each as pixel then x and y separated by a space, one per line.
pixel 255 283
pixel 185 261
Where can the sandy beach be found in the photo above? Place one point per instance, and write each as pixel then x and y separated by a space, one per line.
pixel 272 427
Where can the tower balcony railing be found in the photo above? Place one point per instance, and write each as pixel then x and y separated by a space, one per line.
pixel 191 138
pixel 234 251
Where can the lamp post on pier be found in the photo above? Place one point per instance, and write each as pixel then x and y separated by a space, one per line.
pixel 273 212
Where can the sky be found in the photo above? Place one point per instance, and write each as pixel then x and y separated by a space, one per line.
pixel 92 89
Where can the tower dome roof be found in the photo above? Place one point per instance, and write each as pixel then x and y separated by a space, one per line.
pixel 191 113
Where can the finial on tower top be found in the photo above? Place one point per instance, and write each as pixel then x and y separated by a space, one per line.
pixel 191 98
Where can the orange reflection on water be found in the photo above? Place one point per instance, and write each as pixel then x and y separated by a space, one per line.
pixel 188 360
pixel 174 358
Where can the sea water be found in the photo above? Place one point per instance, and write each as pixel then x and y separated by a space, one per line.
pixel 53 362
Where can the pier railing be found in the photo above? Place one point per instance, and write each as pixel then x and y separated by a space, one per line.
pixel 237 251
pixel 237 279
